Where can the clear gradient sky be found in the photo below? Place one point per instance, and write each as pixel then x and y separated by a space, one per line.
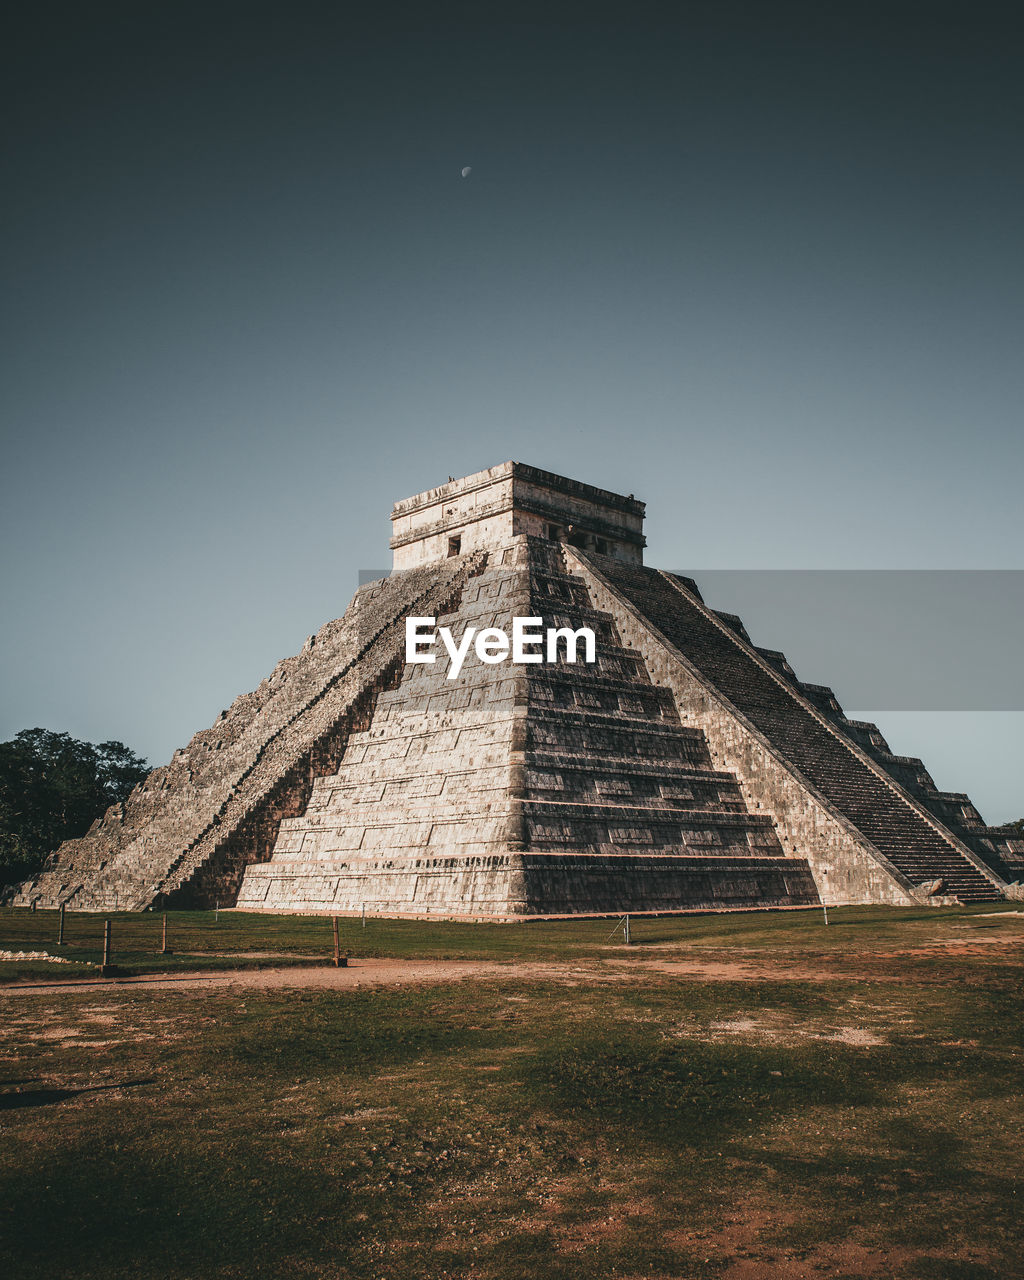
pixel 759 264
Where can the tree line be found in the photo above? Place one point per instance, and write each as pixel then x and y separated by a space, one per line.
pixel 52 787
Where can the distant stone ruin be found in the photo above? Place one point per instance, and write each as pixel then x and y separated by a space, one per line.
pixel 684 769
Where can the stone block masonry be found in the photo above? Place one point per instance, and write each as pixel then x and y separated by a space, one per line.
pixel 546 789
pixel 486 510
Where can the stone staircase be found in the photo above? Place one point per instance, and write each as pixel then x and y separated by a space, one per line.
pixel 919 848
pixel 186 834
pixel 1002 851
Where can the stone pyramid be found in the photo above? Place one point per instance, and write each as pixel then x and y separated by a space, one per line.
pixel 682 769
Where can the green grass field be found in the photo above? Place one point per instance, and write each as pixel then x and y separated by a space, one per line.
pixel 231 939
pixel 853 1109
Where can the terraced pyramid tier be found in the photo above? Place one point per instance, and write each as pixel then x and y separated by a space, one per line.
pixel 527 790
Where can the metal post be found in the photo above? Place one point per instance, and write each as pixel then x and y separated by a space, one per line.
pixel 337 945
pixel 106 948
pixel 824 908
pixel 627 931
pixel 364 915
pixel 163 938
pixel 216 910
pixel 60 927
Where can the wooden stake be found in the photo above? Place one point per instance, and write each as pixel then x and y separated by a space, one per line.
pixel 60 927
pixel 337 945
pixel 163 938
pixel 105 968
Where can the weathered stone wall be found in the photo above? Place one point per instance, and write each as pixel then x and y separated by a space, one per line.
pixel 487 509
pixel 502 886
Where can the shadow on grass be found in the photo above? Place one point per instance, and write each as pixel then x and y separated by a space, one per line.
pixel 185 1211
pixel 697 1092
pixel 696 1089
pixel 359 1032
pixel 272 1154
pixel 21 1098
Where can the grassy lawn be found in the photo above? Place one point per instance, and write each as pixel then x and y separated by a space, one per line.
pixel 232 939
pixel 616 1122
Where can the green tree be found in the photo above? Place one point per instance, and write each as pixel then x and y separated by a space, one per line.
pixel 52 786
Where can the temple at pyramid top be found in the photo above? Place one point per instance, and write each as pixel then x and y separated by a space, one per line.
pixel 484 510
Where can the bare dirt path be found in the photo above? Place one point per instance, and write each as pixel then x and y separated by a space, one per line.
pixel 360 973
pixel 391 972
pixel 356 974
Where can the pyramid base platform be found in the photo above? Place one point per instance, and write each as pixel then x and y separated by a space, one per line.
pixel 498 886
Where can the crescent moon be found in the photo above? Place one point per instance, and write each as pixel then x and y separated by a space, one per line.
pixel 467 170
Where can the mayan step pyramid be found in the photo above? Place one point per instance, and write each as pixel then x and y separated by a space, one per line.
pixel 682 769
